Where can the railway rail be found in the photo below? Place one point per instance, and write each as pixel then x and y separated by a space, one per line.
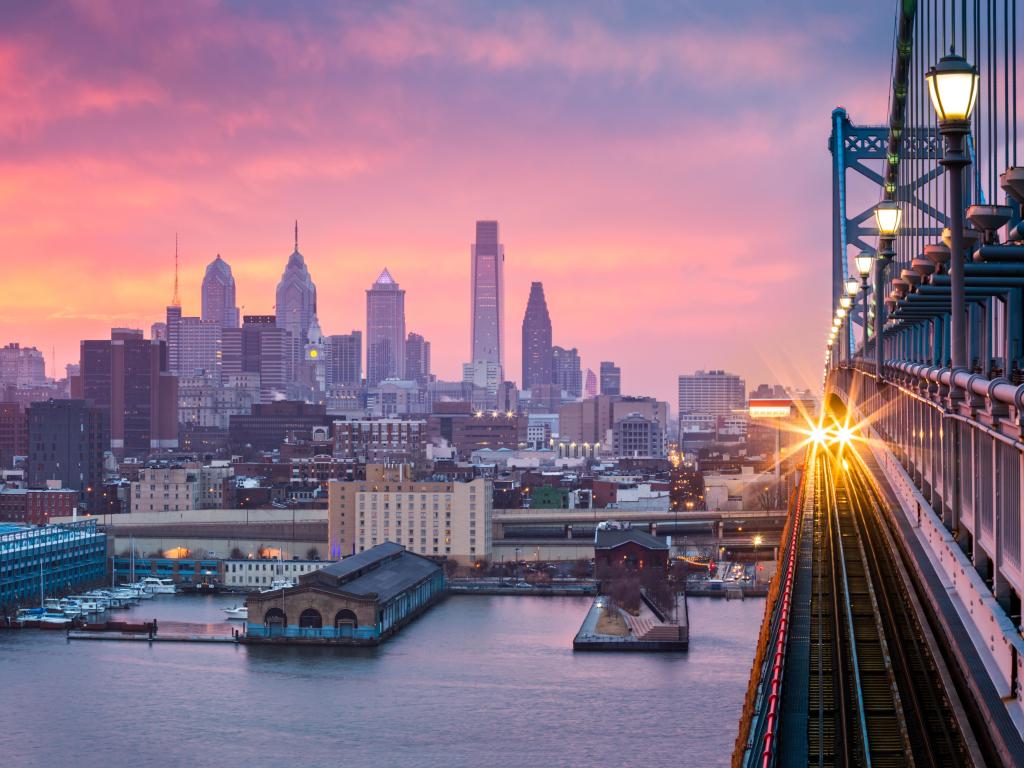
pixel 876 696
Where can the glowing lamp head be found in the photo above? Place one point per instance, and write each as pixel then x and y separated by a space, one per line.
pixel 836 323
pixel 845 302
pixel 844 435
pixel 840 313
pixel 852 286
pixel 888 215
pixel 953 88
pixel 864 260
pixel 818 435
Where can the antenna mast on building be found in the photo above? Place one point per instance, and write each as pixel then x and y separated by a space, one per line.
pixel 175 301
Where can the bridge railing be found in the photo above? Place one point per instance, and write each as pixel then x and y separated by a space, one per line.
pixel 757 739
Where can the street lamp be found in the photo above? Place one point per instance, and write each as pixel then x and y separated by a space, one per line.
pixel 953 88
pixel 888 216
pixel 757 543
pixel 864 261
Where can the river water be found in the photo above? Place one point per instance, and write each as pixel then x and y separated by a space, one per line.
pixel 477 681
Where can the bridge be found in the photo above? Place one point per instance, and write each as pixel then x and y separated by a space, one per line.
pixel 892 631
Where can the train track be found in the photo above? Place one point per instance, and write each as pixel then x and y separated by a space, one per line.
pixel 876 697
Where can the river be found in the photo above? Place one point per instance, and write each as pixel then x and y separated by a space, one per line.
pixel 477 681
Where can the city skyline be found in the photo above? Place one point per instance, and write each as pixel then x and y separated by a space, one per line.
pixel 588 197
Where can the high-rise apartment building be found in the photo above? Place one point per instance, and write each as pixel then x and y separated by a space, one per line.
pixel 565 370
pixel 713 392
pixel 66 442
pixel 611 379
pixel 433 518
pixel 128 376
pixel 267 349
pixel 536 339
pixel 417 359
pixel 296 304
pixel 218 295
pixel 488 296
pixel 385 330
pixel 22 366
pixel 344 359
pixel 199 349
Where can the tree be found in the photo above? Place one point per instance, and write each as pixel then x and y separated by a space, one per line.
pixel 237 554
pixel 451 567
pixel 312 553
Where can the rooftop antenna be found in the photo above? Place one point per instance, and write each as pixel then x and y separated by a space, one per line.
pixel 175 300
pixel 296 235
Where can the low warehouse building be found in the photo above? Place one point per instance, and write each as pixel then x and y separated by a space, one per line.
pixel 360 600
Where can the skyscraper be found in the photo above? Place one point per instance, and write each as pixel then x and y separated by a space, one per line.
pixel 385 330
pixel 219 295
pixel 296 303
pixel 590 384
pixel 417 359
pixel 716 393
pixel 536 339
pixel 66 442
pixel 127 375
pixel 565 370
pixel 488 300
pixel 611 379
pixel 345 358
pixel 266 349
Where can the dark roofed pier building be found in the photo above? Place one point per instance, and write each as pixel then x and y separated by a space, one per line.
pixel 361 600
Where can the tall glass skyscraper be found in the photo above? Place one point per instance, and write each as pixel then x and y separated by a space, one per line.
pixel 219 295
pixel 385 330
pixel 536 339
pixel 488 306
pixel 296 302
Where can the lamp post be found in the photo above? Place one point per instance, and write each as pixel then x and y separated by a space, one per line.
pixel 864 260
pixel 851 286
pixel 953 88
pixel 757 542
pixel 888 216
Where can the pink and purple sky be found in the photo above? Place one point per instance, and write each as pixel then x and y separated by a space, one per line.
pixel 662 167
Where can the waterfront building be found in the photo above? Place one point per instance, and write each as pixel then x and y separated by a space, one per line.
pixel 611 379
pixel 344 359
pixel 566 372
pixel 260 574
pixel 128 377
pixel 13 433
pixel 267 426
pixel 715 392
pixel 67 440
pixel 417 359
pixel 434 518
pixel 218 295
pixel 296 305
pixel 379 441
pixel 360 600
pixel 385 330
pixel 536 339
pixel 166 489
pixel 629 548
pixel 488 296
pixel 22 366
pixel 54 559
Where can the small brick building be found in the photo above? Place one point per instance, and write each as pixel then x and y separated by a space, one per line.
pixel 629 547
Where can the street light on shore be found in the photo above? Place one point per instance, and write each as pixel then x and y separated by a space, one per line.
pixel 953 88
pixel 758 539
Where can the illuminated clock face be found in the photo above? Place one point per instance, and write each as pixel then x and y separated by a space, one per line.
pixel 314 353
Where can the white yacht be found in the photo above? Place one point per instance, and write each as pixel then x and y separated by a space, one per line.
pixel 239 612
pixel 279 584
pixel 159 586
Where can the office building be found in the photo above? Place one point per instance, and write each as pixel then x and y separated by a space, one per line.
pixel 417 359
pixel 218 295
pixel 266 349
pixel 637 436
pixel 128 377
pixel 536 339
pixel 382 441
pixel 66 443
pixel 344 359
pixel 296 305
pixel 488 295
pixel 270 423
pixel 715 392
pixel 54 559
pixel 13 433
pixel 566 372
pixel 22 366
pixel 385 330
pixel 611 379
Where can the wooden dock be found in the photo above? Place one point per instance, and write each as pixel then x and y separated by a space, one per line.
pixel 166 632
